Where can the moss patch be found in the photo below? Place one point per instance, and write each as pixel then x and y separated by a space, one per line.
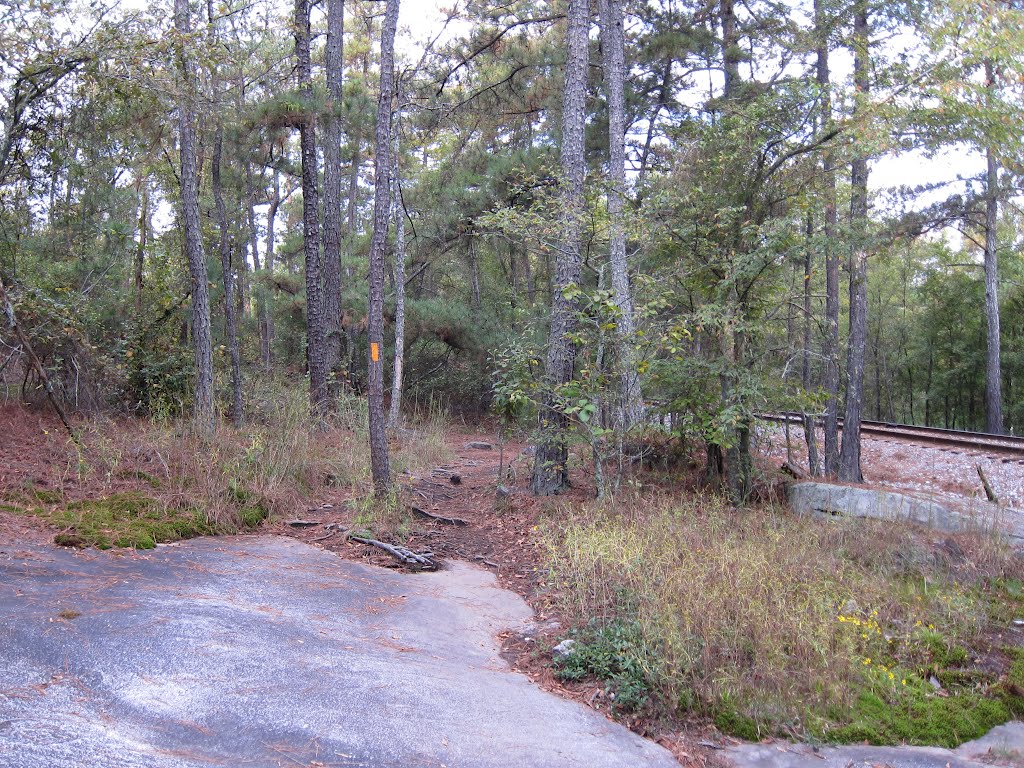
pixel 919 715
pixel 125 520
pixel 252 509
pixel 47 496
pixel 731 722
pixel 146 477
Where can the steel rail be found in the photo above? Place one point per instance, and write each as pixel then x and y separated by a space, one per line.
pixel 932 435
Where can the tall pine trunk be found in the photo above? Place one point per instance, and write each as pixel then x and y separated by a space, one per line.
pixel 189 182
pixel 356 141
pixel 140 249
pixel 810 427
pixel 613 46
pixel 379 464
pixel 230 318
pixel 267 317
pixel 550 469
pixel 316 356
pixel 993 366
pixel 849 453
pixel 830 344
pixel 333 181
pixel 395 413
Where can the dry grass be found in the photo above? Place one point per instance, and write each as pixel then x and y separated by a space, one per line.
pixel 275 465
pixel 779 618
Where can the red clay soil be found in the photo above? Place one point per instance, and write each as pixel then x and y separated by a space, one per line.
pixel 494 533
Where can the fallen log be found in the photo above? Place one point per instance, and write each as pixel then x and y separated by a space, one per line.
pixel 407 556
pixel 439 518
pixel 303 523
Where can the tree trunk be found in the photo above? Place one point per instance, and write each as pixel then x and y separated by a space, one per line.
pixel 810 428
pixel 849 454
pixel 664 95
pixel 189 182
pixel 267 317
pixel 252 236
pixel 140 250
pixel 475 301
pixel 316 355
pixel 333 177
pixel 242 296
pixel 550 469
pixel 993 366
pixel 356 140
pixel 531 288
pixel 259 286
pixel 379 464
pixel 613 46
pixel 395 414
pixel 730 46
pixel 830 344
pixel 230 320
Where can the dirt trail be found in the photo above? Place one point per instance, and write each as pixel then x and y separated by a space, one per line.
pixel 497 533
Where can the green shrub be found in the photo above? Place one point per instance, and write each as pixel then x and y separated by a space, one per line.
pixel 614 652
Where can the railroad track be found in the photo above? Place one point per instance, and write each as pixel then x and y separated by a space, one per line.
pixel 931 435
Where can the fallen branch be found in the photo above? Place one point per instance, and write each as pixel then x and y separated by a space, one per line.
pixel 453 477
pixel 985 483
pixel 331 528
pixel 402 554
pixel 439 518
pixel 302 523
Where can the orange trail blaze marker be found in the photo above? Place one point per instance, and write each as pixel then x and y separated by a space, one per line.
pixel 375 352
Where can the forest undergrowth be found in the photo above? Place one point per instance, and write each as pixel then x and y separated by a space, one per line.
pixel 136 483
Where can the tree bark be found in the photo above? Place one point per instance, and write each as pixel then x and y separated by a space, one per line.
pixel 475 299
pixel 356 140
pixel 140 250
pixel 395 413
pixel 267 317
pixel 810 428
pixel 993 365
pixel 316 355
pixel 379 464
pixel 613 46
pixel 333 179
pixel 849 453
pixel 730 46
pixel 830 344
pixel 230 319
pixel 550 469
pixel 189 183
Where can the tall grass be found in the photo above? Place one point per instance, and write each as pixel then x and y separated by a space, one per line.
pixel 275 465
pixel 772 616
